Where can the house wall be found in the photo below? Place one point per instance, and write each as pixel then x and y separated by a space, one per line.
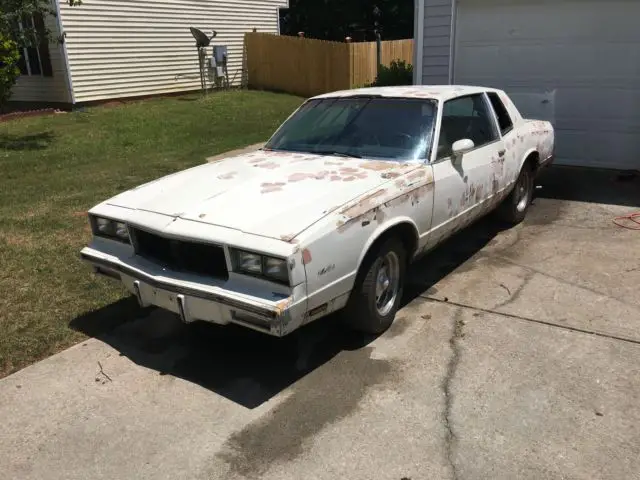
pixel 124 48
pixel 437 46
pixel 54 89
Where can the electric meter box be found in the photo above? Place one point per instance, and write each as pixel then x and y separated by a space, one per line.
pixel 220 54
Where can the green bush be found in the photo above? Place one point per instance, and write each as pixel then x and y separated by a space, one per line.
pixel 398 73
pixel 9 71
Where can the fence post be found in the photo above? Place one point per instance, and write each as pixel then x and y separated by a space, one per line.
pixel 378 51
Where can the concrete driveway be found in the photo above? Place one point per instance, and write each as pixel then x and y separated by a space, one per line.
pixel 517 355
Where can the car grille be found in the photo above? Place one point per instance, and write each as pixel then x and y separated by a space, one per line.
pixel 179 255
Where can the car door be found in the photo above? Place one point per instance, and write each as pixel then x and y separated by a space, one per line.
pixel 464 184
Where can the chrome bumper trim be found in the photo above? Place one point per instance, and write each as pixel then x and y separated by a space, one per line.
pixel 265 312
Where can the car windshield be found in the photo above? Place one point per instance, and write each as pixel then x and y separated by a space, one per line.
pixel 362 127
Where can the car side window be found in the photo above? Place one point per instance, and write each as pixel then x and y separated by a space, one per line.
pixel 465 117
pixel 504 119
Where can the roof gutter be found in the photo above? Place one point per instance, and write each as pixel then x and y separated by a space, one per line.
pixel 418 41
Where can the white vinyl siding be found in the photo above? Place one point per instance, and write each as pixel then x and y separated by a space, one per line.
pixel 127 48
pixel 437 41
pixel 37 88
pixel 573 62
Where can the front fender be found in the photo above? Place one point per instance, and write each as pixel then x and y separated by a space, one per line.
pixel 381 230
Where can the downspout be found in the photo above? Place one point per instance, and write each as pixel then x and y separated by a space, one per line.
pixel 63 42
pixel 452 41
pixel 418 41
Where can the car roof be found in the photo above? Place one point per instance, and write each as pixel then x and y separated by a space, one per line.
pixel 435 92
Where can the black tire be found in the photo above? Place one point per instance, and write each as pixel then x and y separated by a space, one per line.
pixel 363 312
pixel 514 208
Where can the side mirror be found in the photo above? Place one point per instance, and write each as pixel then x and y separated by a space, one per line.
pixel 462 146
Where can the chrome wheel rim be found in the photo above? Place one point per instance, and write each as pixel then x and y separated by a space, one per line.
pixel 522 191
pixel 387 283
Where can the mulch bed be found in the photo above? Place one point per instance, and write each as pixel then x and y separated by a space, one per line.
pixel 6 117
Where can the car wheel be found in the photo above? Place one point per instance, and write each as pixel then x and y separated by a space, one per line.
pixel 378 290
pixel 514 208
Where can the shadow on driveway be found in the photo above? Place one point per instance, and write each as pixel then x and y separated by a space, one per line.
pixel 244 366
pixel 249 367
pixel 610 187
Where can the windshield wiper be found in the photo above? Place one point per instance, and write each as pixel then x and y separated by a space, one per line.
pixel 336 153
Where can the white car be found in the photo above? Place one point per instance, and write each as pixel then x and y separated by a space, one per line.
pixel 327 216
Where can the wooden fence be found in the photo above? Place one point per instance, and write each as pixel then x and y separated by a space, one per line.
pixel 309 67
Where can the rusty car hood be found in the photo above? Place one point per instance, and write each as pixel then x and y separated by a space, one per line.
pixel 267 193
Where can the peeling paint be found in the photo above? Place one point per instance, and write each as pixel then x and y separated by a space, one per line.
pixel 364 204
pixel 378 165
pixel 390 175
pixel 290 238
pixel 268 165
pixel 227 176
pixel 272 187
pixel 419 173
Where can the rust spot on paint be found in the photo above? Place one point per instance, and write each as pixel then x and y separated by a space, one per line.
pixel 283 305
pixel 272 187
pixel 401 183
pixel 335 178
pixel 227 176
pixel 306 256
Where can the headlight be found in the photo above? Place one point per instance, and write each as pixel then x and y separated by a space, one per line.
pixel 276 268
pixel 260 265
pixel 105 227
pixel 250 262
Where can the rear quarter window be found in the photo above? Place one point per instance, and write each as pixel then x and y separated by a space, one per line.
pixel 504 119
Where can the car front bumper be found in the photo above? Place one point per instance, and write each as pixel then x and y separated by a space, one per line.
pixel 193 301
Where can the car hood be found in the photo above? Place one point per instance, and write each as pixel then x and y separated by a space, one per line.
pixel 272 194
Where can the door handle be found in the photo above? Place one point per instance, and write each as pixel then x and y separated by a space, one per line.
pixel 501 153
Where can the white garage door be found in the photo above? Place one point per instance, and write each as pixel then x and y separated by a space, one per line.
pixel 574 62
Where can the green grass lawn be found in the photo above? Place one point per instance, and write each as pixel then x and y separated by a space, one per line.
pixel 54 168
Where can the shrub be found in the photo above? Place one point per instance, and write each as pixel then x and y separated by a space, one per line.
pixel 398 73
pixel 9 71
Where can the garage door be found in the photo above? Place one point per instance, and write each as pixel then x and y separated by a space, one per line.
pixel 574 62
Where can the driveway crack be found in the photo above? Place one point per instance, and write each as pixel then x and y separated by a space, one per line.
pixel 451 439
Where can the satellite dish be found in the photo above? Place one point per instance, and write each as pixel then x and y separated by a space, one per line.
pixel 201 38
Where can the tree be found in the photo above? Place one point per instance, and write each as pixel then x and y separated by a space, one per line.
pixel 9 71
pixel 337 19
pixel 21 25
